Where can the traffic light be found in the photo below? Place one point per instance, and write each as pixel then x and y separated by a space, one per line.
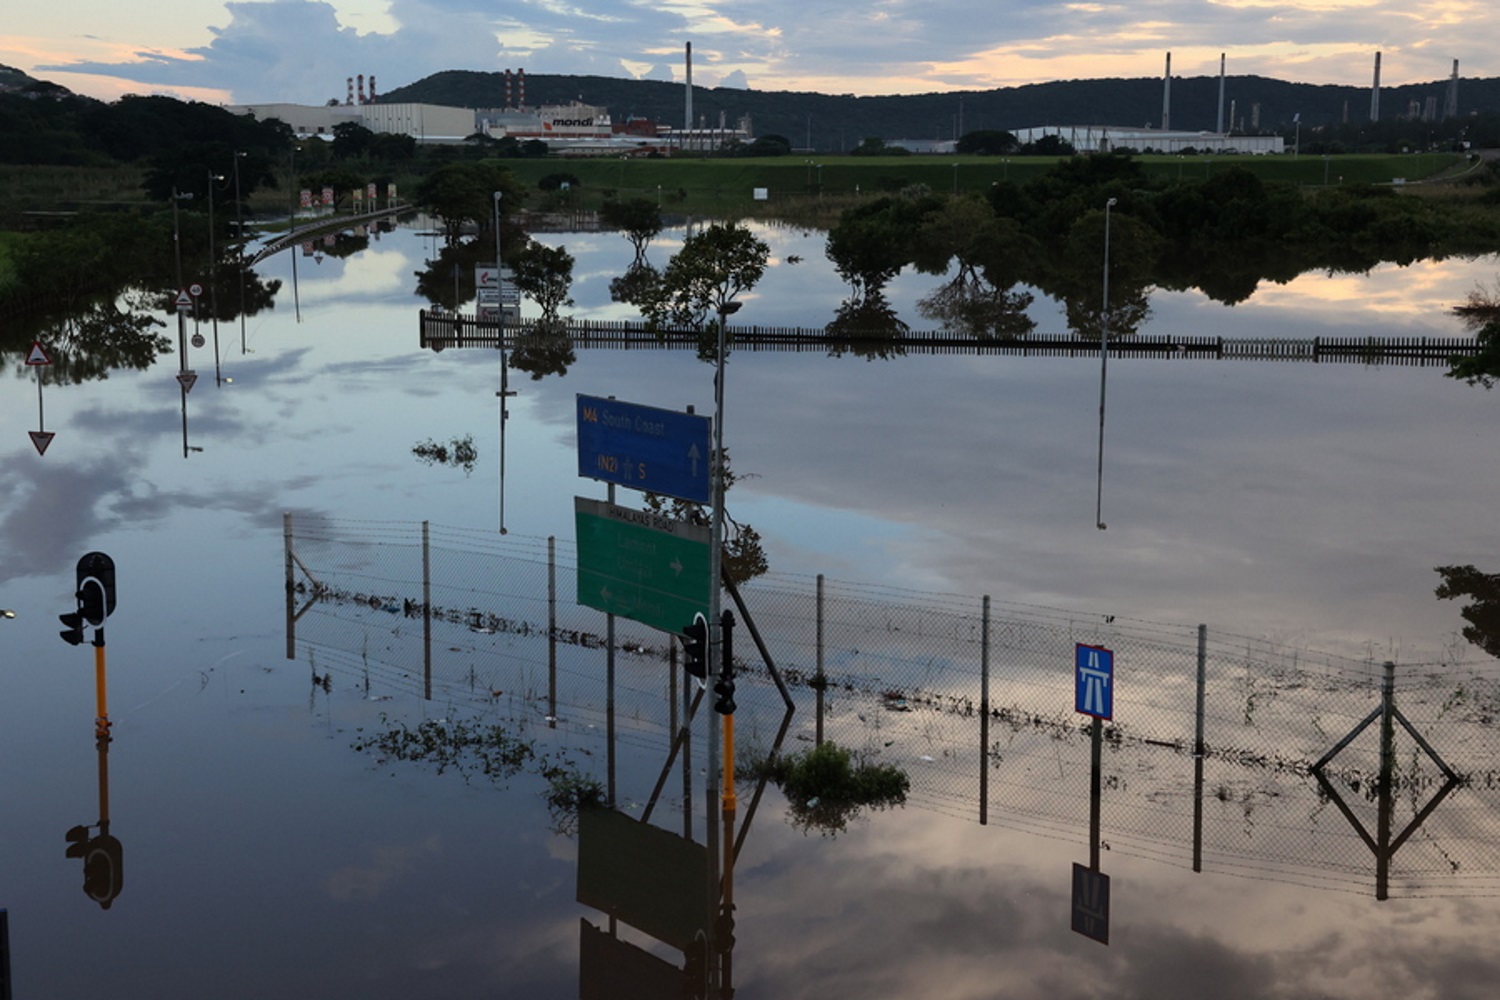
pixel 95 594
pixel 103 863
pixel 695 647
pixel 73 634
pixel 96 587
pixel 724 686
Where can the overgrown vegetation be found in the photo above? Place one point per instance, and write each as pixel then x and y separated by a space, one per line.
pixel 459 453
pixel 828 786
pixel 477 749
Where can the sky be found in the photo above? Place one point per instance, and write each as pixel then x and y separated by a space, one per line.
pixel 303 51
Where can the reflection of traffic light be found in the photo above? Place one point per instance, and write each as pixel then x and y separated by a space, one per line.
pixel 95 593
pixel 695 647
pixel 724 686
pixel 73 635
pixel 103 863
pixel 695 969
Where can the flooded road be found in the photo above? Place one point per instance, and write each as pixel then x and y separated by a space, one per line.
pixel 1296 511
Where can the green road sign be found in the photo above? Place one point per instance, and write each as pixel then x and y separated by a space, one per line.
pixel 640 565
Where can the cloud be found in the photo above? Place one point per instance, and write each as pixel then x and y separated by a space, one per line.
pixel 302 50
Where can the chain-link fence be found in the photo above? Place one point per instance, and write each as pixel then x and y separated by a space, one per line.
pixel 1224 752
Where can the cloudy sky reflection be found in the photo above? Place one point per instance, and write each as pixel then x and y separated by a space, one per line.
pixel 1307 504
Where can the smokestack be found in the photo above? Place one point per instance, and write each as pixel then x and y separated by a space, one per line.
pixel 688 111
pixel 508 105
pixel 361 88
pixel 1220 129
pixel 372 88
pixel 521 86
pixel 1166 97
pixel 1375 92
pixel 350 99
pixel 1450 100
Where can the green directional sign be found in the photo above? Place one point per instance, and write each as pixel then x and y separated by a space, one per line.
pixel 640 565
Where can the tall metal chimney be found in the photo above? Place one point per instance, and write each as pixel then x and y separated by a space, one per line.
pixel 1375 92
pixel 688 111
pixel 521 87
pixel 1450 100
pixel 1220 128
pixel 350 99
pixel 372 88
pixel 1166 97
pixel 508 105
pixel 361 91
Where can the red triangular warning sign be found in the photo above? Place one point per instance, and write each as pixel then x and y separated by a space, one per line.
pixel 41 439
pixel 37 355
pixel 187 379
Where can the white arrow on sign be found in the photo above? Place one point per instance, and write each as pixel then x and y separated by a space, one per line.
pixel 41 439
pixel 37 355
pixel 186 379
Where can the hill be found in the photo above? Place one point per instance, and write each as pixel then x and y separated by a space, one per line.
pixel 839 122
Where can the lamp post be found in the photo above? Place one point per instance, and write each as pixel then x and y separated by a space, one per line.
pixel 505 392
pixel 213 275
pixel 239 233
pixel 177 255
pixel 1103 369
pixel 715 599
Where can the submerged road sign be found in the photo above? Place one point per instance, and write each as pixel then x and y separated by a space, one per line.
pixel 1091 903
pixel 644 448
pixel 1094 681
pixel 640 565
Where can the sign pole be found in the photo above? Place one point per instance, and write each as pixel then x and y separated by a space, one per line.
pixel 715 636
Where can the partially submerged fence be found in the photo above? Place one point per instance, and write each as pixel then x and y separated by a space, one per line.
pixel 1209 761
pixel 441 330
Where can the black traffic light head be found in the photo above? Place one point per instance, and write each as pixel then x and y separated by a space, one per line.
pixel 96 587
pixel 103 869
pixel 73 634
pixel 695 647
pixel 724 688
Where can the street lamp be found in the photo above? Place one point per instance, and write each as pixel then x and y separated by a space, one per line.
pixel 1103 369
pixel 213 274
pixel 239 232
pixel 505 391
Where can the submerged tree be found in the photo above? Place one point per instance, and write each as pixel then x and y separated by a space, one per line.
pixel 546 275
pixel 705 277
pixel 638 218
pixel 1483 611
pixel 1481 314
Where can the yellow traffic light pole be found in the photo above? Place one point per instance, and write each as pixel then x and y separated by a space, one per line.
pixel 101 721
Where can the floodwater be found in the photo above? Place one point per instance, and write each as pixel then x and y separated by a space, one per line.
pixel 268 850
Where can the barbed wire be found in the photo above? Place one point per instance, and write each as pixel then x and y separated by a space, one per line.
pixel 495 625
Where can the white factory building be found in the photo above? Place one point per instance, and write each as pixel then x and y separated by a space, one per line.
pixel 423 122
pixel 1112 138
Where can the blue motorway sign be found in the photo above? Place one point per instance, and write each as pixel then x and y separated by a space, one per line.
pixel 1094 681
pixel 644 448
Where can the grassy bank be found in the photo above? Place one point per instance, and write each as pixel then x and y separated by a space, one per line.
pixel 790 183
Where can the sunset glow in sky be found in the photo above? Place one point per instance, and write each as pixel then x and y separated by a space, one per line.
pixel 302 51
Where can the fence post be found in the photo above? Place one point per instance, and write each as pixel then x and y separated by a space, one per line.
pixel 291 617
pixel 426 614
pixel 1387 775
pixel 984 713
pixel 1198 752
pixel 819 681
pixel 552 631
